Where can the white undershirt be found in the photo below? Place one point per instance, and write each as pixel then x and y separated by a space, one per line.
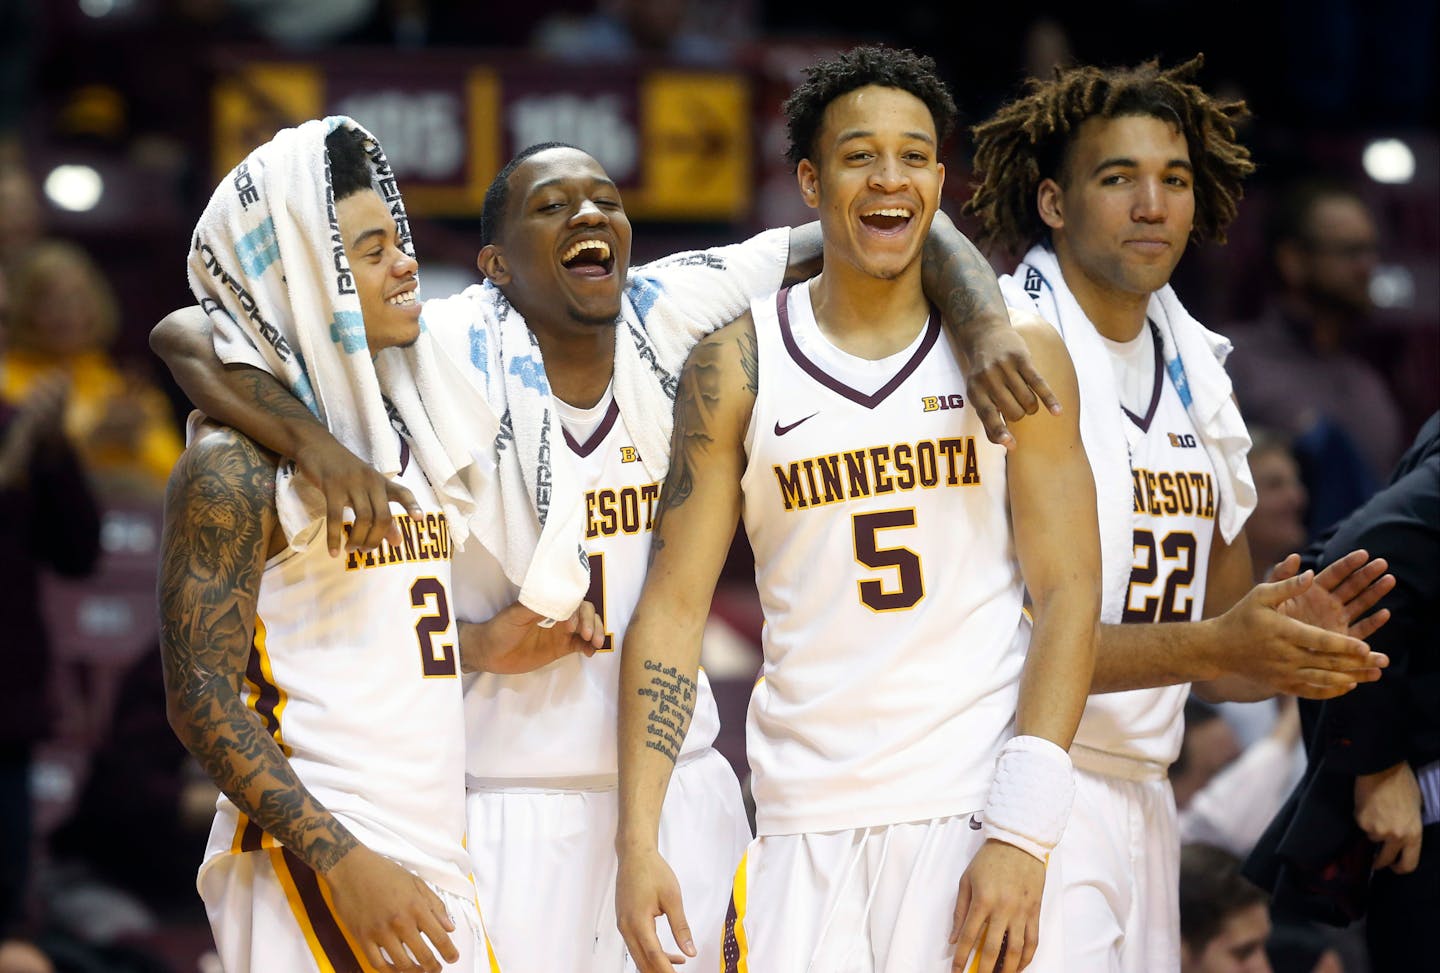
pixel 1134 365
pixel 582 423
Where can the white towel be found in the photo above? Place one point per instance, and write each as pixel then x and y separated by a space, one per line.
pixel 267 263
pixel 1195 359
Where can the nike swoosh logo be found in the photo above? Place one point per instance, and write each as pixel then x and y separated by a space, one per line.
pixel 782 430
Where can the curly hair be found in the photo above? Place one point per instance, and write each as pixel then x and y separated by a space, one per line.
pixel 349 162
pixel 1027 141
pixel 884 66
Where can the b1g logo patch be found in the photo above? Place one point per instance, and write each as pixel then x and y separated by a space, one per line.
pixel 940 403
pixel 1181 440
pixel 629 454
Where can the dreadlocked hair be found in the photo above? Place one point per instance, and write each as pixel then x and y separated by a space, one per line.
pixel 884 66
pixel 1026 141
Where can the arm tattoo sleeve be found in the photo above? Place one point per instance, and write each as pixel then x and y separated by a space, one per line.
pixel 672 702
pixel 217 510
pixel 958 279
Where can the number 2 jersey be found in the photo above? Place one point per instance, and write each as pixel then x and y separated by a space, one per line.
pixel 894 629
pixel 354 673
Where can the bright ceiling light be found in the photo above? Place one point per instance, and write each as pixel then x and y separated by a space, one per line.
pixel 75 188
pixel 1389 161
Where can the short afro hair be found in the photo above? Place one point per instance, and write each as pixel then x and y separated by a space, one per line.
pixel 1026 142
pixel 845 72
pixel 493 214
pixel 349 162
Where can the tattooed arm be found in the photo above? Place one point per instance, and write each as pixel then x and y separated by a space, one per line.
pixel 220 526
pixel 1001 380
pixel 255 403
pixel 699 508
pixel 219 523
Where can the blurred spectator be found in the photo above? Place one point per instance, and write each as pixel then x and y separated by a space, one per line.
pixel 1277 527
pixel 63 317
pixel 1360 835
pixel 1295 369
pixel 1226 796
pixel 304 24
pixel 47 520
pixel 1223 918
pixel 620 30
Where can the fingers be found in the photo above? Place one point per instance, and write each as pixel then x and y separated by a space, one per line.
pixel 1272 593
pixel 679 927
pixel 1370 624
pixel 364 516
pixel 591 628
pixel 1286 569
pixel 435 923
pixel 1389 853
pixel 991 419
pixel 381 520
pixel 1409 857
pixel 1019 400
pixel 992 948
pixel 1334 574
pixel 334 520
pixel 395 493
pixel 646 951
pixel 1037 382
pixel 1032 940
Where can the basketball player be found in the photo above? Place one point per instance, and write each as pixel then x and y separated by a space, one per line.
pixel 541 759
pixel 1105 176
pixel 893 577
pixel 297 681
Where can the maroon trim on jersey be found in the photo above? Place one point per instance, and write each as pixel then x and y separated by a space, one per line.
pixel 267 694
pixel 1144 424
pixel 404 454
pixel 932 334
pixel 328 934
pixel 251 836
pixel 598 436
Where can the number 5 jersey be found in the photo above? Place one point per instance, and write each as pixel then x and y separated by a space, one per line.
pixel 895 632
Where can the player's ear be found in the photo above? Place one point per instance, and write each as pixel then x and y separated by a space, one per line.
pixel 809 178
pixel 1048 201
pixel 491 262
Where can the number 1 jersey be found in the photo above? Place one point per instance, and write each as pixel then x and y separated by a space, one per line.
pixel 895 633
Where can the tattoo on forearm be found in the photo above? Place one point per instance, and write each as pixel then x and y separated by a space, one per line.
pixel 220 499
pixel 266 393
pixel 959 280
pixel 672 703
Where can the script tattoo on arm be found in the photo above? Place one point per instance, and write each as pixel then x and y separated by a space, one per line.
pixel 672 703
pixel 219 513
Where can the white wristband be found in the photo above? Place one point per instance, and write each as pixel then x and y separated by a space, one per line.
pixel 1031 795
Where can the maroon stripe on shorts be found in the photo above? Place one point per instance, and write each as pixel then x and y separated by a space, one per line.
pixel 327 928
pixel 730 946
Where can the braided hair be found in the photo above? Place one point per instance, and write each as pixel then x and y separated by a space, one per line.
pixel 1028 140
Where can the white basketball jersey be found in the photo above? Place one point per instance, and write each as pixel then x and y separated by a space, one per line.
pixel 560 721
pixel 1173 522
pixel 354 671
pixel 894 632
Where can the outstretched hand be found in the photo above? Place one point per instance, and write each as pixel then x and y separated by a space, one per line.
pixel 1341 594
pixel 1289 655
pixel 514 641
pixel 1001 379
pixel 347 481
